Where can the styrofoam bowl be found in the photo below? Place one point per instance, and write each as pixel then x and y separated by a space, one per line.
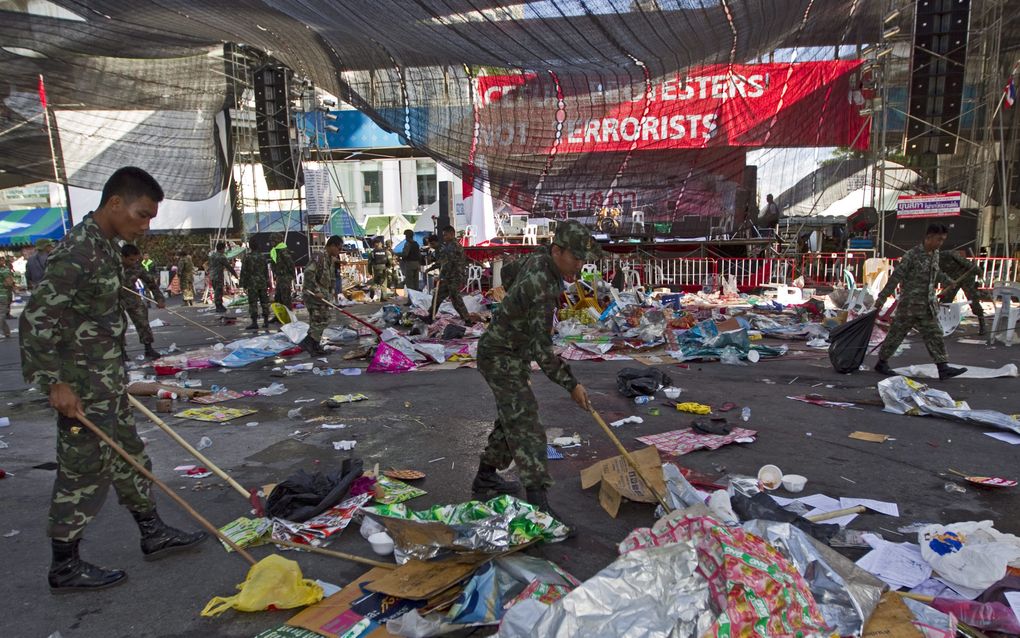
pixel 770 477
pixel 381 543
pixel 794 482
pixel 753 356
pixel 671 392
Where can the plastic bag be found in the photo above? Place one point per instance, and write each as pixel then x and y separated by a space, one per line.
pixel 389 359
pixel 849 343
pixel 296 331
pixel 971 554
pixel 730 356
pixel 272 583
pixel 641 381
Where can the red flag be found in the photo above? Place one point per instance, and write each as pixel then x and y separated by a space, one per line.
pixel 42 92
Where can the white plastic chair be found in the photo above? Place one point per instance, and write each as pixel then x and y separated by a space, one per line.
pixel 474 278
pixel 589 269
pixel 531 235
pixel 631 278
pixel 637 217
pixel 1006 293
pixel 469 233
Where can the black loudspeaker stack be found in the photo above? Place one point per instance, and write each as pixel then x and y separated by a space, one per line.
pixel 280 160
pixel 445 205
pixel 936 76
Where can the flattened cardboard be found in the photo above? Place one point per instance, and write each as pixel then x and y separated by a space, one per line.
pixel 871 437
pixel 619 481
pixel 892 619
pixel 333 616
pixel 421 580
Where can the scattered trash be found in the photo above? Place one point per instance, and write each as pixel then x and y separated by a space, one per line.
pixel 344 445
pixel 12 533
pixel 815 399
pixel 869 436
pixel 625 421
pixel 680 442
pixel 567 441
pixel 203 443
pixel 694 408
pixel 271 390
pixel 671 392
pixel 745 414
pixel 985 481
pixel 4 421
pixel 294 413
pixel 770 477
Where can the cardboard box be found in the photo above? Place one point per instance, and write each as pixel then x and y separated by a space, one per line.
pixel 619 481
pixel 351 607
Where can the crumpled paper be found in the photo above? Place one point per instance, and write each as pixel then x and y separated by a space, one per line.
pixel 906 396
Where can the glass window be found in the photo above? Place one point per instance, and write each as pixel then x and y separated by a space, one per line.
pixel 427 186
pixel 373 186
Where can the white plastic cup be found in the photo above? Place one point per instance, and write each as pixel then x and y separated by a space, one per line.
pixel 770 477
pixel 794 482
pixel 671 392
pixel 381 543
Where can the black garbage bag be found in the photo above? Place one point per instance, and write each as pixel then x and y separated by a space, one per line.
pixel 849 343
pixel 761 506
pixel 641 381
pixel 303 496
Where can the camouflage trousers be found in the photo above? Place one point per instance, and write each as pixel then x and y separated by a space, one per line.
pixel 517 435
pixel 5 307
pixel 923 319
pixel 86 467
pixel 257 296
pixel 284 293
pixel 188 288
pixel 319 316
pixel 970 290
pixel 139 316
pixel 412 276
pixel 380 275
pixel 217 285
pixel 452 290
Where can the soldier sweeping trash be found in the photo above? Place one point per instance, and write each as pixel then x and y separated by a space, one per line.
pixel 918 274
pixel 520 333
pixel 72 347
pixel 255 281
pixel 318 290
pixel 134 306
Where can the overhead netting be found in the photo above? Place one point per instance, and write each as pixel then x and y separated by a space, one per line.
pixel 560 106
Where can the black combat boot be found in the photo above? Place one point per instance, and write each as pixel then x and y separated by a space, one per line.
pixel 254 325
pixel 488 483
pixel 150 352
pixel 946 371
pixel 70 573
pixel 220 308
pixel 265 322
pixel 540 499
pixel 981 324
pixel 882 367
pixel 159 539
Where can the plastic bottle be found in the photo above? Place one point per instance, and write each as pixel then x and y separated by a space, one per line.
pixel 745 414
pixel 204 442
pixel 215 389
pixel 642 399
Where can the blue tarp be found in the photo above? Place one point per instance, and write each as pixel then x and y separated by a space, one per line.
pixel 24 227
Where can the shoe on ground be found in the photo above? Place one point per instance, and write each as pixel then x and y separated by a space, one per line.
pixel 69 573
pixel 540 499
pixel 489 484
pixel 254 325
pixel 882 367
pixel 150 352
pixel 947 371
pixel 159 539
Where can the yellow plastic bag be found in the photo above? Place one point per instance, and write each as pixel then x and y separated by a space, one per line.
pixel 694 408
pixel 281 312
pixel 272 583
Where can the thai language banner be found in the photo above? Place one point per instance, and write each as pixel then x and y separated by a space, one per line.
pixel 941 205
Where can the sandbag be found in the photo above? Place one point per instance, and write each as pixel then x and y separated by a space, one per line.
pixel 633 382
pixel 849 343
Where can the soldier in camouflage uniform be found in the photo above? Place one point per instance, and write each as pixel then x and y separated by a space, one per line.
pixel 255 281
pixel 960 269
pixel 72 347
pixel 217 264
pixel 6 295
pixel 133 305
pixel 520 333
pixel 917 274
pixel 319 286
pixel 379 260
pixel 452 272
pixel 186 274
pixel 283 273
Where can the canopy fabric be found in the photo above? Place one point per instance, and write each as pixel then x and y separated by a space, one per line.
pixel 23 227
pixel 342 223
pixel 387 226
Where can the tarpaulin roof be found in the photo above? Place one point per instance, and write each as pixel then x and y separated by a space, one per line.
pixel 342 223
pixel 20 227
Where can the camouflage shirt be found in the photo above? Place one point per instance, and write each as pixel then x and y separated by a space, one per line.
pixel 6 285
pixel 522 323
pixel 217 264
pixel 186 267
pixel 956 265
pixel 72 330
pixel 452 262
pixel 283 267
pixel 254 271
pixel 918 275
pixel 319 276
pixel 133 274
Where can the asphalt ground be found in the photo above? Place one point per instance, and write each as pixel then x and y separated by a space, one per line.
pixel 437 422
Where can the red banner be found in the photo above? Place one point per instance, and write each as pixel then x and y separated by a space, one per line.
pixel 782 105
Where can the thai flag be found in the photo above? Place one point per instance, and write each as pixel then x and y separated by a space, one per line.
pixel 1010 91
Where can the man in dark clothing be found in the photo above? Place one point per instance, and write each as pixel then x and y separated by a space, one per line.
pixel 410 261
pixel 35 266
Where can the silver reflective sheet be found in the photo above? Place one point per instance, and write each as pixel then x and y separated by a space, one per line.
pixel 846 594
pixel 646 593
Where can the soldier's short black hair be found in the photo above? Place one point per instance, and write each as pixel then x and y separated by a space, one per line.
pixel 408 233
pixel 131 182
pixel 432 238
pixel 376 240
pixel 936 229
pixel 448 229
pixel 129 249
pixel 335 240
pixel 221 245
